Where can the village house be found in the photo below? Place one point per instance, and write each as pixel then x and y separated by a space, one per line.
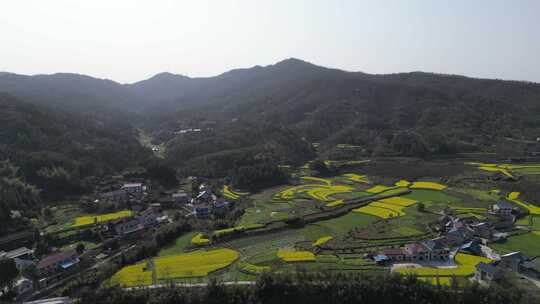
pixel 487 273
pixel 516 262
pixel 202 211
pixel 502 208
pixel 472 247
pixel 148 218
pixel 23 285
pixel 180 198
pixel 457 236
pixel 57 262
pixel 438 248
pixel 120 195
pixel 126 226
pixel 23 257
pixel 134 187
pixel 482 230
pixel 416 252
pixel 394 254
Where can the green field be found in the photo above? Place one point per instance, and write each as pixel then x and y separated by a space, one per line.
pixel 481 195
pixel 179 245
pixel 337 227
pixel 432 196
pixel 528 244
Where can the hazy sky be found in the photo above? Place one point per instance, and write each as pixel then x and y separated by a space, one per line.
pixel 129 40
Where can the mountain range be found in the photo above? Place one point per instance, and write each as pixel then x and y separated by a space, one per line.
pixel 275 113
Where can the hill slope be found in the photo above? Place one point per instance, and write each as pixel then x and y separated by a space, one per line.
pixel 58 152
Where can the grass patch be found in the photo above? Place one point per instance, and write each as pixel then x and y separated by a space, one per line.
pixel 337 227
pixel 528 244
pixel 432 196
pixel 179 245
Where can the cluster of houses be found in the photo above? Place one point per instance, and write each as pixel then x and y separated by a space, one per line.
pixel 437 249
pixel 49 268
pixel 126 192
pixel 151 217
pixel 514 262
pixel 207 203
pixel 464 235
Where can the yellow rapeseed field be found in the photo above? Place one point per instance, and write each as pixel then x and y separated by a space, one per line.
pixel 466 267
pixel 357 178
pixel 379 189
pixel 253 269
pixel 513 197
pixel 398 200
pixel 376 211
pixel 335 203
pixel 92 219
pixel 321 192
pixel 133 275
pixel 504 169
pixel 193 264
pixel 403 183
pixel 324 193
pixel 296 256
pixel 199 240
pixel 397 209
pixel 428 185
pixel 321 241
pixel 228 193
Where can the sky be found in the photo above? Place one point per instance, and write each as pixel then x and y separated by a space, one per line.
pixel 131 40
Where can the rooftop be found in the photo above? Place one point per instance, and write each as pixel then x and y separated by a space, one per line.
pixel 55 258
pixel 18 252
pixel 487 268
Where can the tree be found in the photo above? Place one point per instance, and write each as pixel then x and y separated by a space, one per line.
pixel 320 166
pixel 8 272
pixel 80 248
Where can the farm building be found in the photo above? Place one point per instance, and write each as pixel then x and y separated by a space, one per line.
pixel 482 230
pixel 180 198
pixel 134 187
pixel 23 285
pixel 416 252
pixel 438 248
pixel 126 226
pixel 515 261
pixel 57 262
pixel 502 208
pixel 202 211
pixel 394 254
pixel 487 273
pixel 23 257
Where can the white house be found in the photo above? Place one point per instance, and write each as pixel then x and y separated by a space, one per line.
pixel 134 187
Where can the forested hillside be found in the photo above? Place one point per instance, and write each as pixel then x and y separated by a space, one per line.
pixel 269 115
pixel 59 152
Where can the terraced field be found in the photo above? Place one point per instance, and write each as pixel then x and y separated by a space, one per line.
pixel 362 217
